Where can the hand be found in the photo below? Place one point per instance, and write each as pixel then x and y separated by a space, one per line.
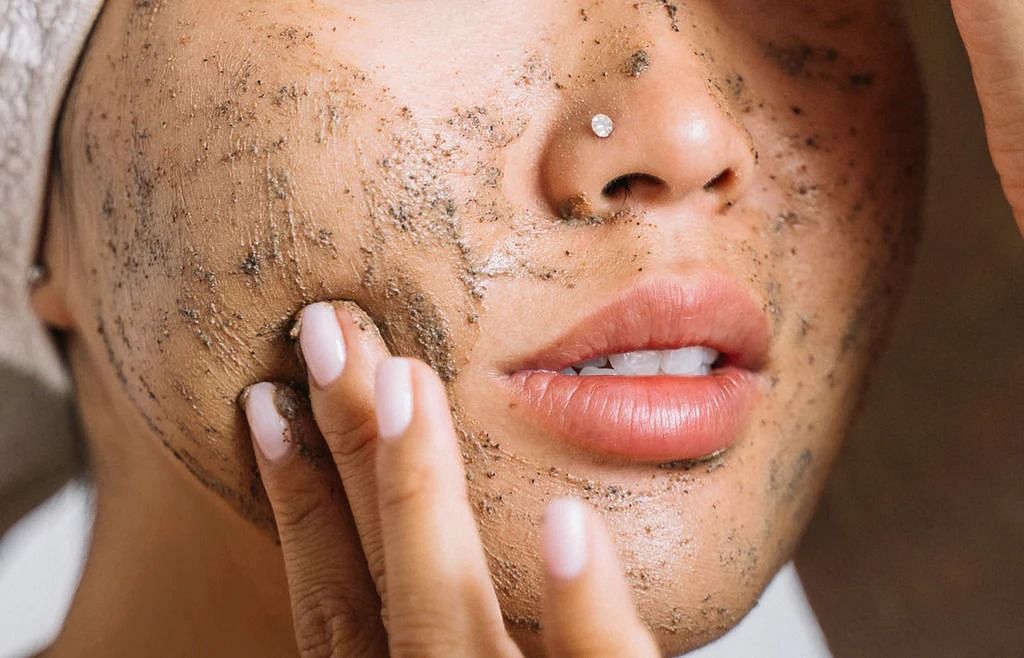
pixel 993 32
pixel 396 453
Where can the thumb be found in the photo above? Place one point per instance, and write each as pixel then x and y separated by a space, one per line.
pixel 992 32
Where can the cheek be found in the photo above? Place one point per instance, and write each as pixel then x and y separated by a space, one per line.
pixel 835 117
pixel 832 255
pixel 838 204
pixel 266 197
pixel 214 225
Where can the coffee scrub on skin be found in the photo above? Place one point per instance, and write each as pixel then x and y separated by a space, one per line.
pixel 672 322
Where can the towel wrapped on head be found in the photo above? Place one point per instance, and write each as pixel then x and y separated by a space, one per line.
pixel 40 44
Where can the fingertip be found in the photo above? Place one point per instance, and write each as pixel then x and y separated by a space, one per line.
pixel 588 604
pixel 267 426
pixel 361 332
pixel 322 343
pixel 393 398
pixel 565 539
pixel 352 312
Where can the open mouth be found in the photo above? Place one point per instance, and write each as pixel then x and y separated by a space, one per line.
pixel 696 361
pixel 668 370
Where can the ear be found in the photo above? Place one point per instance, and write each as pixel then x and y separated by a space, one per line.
pixel 49 294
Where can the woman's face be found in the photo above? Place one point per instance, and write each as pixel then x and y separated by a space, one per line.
pixel 434 162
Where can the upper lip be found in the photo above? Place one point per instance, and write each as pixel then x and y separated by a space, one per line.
pixel 665 313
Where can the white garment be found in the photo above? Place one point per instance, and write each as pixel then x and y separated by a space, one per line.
pixel 40 42
pixel 782 625
pixel 41 561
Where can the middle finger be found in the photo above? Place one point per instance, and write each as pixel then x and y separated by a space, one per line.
pixel 442 601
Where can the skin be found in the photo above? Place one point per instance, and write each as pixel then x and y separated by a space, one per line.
pixel 407 487
pixel 207 192
pixel 989 29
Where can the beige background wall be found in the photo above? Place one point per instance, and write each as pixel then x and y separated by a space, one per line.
pixel 918 547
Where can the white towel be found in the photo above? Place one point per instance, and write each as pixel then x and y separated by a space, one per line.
pixel 40 44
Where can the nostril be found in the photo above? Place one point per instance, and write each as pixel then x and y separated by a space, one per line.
pixel 722 181
pixel 623 185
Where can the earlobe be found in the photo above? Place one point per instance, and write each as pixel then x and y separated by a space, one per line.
pixel 48 302
pixel 48 278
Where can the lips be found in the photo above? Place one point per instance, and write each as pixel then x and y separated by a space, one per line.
pixel 657 418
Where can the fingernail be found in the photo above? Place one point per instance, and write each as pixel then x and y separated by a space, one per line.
pixel 393 393
pixel 269 429
pixel 322 343
pixel 565 538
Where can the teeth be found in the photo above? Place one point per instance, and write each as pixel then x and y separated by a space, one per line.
pixel 636 364
pixel 689 361
pixel 591 371
pixel 684 362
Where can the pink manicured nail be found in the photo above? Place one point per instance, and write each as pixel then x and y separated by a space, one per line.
pixel 565 538
pixel 322 343
pixel 268 428
pixel 393 393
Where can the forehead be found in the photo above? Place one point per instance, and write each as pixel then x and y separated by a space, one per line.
pixel 438 46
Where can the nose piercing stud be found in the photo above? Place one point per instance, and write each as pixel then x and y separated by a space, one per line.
pixel 602 125
pixel 37 274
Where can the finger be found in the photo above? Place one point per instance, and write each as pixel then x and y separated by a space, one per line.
pixel 334 603
pixel 341 348
pixel 588 606
pixel 440 597
pixel 992 32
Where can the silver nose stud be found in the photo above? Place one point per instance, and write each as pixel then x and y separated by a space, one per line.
pixel 602 125
pixel 37 274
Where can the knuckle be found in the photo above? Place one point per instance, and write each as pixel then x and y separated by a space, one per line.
pixel 328 624
pixel 302 511
pixel 428 640
pixel 415 488
pixel 350 443
pixel 424 635
pixel 444 629
pixel 373 547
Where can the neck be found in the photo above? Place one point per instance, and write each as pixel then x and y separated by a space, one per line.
pixel 172 571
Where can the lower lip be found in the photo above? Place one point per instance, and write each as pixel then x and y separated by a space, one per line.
pixel 654 419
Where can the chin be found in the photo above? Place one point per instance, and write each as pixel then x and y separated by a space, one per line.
pixel 698 539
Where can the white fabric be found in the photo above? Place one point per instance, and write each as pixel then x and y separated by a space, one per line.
pixel 40 43
pixel 41 560
pixel 782 625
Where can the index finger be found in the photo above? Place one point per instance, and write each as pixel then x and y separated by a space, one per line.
pixel 341 347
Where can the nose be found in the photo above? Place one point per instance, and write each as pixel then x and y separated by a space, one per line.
pixel 673 143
